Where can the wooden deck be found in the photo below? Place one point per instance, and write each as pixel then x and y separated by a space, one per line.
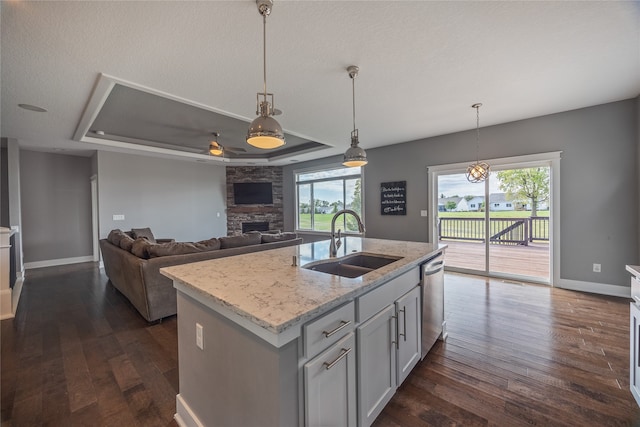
pixel 531 261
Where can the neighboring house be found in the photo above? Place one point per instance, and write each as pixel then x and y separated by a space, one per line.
pixel 324 209
pixel 476 203
pixel 460 204
pixel 499 202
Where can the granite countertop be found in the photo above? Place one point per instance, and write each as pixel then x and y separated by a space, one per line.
pixel 267 290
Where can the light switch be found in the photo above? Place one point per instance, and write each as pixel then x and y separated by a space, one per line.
pixel 119 217
pixel 424 212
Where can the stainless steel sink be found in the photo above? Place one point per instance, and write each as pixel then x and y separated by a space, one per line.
pixel 352 266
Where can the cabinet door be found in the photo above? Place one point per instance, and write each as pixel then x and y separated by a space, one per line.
pixel 330 386
pixel 376 364
pixel 409 338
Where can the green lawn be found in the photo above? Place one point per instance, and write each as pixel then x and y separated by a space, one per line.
pixel 323 222
pixel 498 214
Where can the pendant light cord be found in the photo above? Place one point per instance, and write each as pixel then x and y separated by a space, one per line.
pixel 353 92
pixel 264 52
pixel 477 133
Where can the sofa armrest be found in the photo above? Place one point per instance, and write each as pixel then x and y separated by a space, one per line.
pixel 165 240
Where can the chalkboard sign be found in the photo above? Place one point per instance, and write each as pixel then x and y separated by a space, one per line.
pixel 393 198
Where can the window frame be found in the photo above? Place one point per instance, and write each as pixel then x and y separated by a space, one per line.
pixel 325 168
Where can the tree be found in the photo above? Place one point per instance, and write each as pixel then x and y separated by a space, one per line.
pixel 531 184
pixel 450 205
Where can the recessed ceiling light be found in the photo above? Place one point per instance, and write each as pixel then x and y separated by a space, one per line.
pixel 32 108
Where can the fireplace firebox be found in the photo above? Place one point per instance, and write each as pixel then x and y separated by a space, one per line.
pixel 255 226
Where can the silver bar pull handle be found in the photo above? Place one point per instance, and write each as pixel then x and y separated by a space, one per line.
pixel 343 324
pixel 397 340
pixel 343 353
pixel 404 316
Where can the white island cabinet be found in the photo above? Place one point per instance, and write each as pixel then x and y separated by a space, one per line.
pixel 263 341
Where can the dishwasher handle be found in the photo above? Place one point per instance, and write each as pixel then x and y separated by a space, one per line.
pixel 433 268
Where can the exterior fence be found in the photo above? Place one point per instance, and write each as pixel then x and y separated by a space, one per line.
pixel 504 231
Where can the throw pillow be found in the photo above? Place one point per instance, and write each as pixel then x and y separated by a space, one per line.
pixel 140 248
pixel 143 232
pixel 115 236
pixel 270 238
pixel 241 240
pixel 126 242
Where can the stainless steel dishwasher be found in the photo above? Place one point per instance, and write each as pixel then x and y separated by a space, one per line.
pixel 433 324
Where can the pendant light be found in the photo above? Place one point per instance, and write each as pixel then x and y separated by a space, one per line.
pixel 354 156
pixel 215 149
pixel 478 171
pixel 265 132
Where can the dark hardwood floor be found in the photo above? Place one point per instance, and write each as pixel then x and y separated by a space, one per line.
pixel 79 354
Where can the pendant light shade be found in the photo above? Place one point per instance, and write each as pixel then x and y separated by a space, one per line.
pixel 477 171
pixel 354 156
pixel 265 132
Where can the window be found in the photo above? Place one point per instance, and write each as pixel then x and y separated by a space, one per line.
pixel 322 193
pixel 509 205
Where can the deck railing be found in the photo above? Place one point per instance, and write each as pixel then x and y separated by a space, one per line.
pixel 506 231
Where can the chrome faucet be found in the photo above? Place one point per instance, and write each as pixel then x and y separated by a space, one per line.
pixel 336 242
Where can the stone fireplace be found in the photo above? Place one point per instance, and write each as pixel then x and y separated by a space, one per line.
pixel 271 214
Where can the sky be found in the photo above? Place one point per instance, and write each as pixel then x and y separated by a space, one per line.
pixel 449 185
pixel 457 185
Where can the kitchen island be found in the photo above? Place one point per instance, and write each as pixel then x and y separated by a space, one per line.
pixel 265 341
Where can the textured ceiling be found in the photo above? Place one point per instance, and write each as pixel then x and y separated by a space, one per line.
pixel 422 64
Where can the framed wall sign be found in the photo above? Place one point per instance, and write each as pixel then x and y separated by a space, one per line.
pixel 393 198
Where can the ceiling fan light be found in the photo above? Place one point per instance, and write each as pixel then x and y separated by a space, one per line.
pixel 265 132
pixel 215 149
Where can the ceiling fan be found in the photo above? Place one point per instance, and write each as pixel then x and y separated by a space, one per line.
pixel 218 150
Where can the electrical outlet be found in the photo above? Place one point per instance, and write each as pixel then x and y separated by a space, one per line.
pixel 424 212
pixel 199 336
pixel 597 268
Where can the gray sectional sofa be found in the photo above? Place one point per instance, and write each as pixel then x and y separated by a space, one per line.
pixel 132 262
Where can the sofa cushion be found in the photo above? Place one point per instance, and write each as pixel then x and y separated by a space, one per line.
pixel 270 238
pixel 115 236
pixel 208 245
pixel 143 232
pixel 126 242
pixel 241 240
pixel 140 248
pixel 173 248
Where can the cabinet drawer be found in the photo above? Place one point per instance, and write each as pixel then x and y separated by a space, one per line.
pixel 372 302
pixel 328 329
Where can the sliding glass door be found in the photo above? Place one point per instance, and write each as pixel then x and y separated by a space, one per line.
pixel 500 227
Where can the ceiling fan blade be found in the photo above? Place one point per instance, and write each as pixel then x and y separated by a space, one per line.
pixel 235 149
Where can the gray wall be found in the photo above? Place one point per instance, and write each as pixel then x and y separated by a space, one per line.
pixel 4 188
pixel 175 198
pixel 598 185
pixel 56 206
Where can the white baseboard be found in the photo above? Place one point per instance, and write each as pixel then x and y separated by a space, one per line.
pixel 9 299
pixel 56 262
pixel 595 288
pixel 184 415
pixel 15 294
